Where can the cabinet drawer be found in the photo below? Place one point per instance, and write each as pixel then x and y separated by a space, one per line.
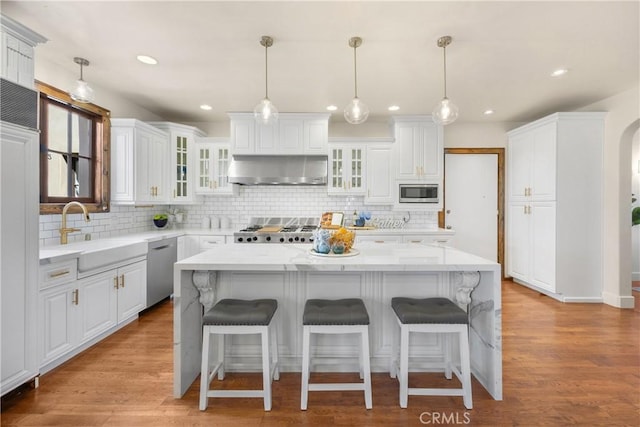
pixel 428 240
pixel 57 273
pixel 208 242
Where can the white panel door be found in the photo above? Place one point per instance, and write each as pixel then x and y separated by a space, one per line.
pixel 132 294
pixel 543 171
pixel 518 241
pixel 471 198
pixel 519 165
pixel 543 246
pixel 97 301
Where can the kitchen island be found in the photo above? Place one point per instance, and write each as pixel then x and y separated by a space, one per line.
pixel 291 274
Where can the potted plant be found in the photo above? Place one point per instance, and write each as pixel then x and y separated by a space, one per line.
pixel 160 220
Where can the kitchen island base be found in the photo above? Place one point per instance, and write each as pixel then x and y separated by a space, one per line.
pixel 205 278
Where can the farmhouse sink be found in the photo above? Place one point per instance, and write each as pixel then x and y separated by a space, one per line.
pixel 100 253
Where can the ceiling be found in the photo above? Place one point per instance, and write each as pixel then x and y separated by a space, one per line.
pixel 501 56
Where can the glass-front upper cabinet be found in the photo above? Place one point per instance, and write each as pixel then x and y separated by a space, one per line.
pixel 213 157
pixel 346 169
pixel 182 160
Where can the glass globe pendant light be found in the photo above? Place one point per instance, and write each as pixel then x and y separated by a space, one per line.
pixel 265 112
pixel 82 91
pixel 446 112
pixel 356 111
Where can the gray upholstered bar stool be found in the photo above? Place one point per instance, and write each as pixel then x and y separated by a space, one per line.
pixel 233 316
pixel 343 316
pixel 432 315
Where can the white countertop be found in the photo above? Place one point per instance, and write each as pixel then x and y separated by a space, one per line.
pixel 372 257
pixel 58 253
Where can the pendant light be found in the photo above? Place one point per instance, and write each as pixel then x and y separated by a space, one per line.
pixel 356 111
pixel 265 112
pixel 446 112
pixel 82 91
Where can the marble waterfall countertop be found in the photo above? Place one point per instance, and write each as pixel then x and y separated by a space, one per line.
pixel 371 257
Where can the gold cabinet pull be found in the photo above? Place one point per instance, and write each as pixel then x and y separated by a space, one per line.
pixel 58 273
pixel 75 297
pixel 115 282
pixel 122 280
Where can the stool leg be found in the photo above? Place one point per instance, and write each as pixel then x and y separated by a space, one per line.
pixel 447 355
pixel 204 369
pixel 404 365
pixel 364 355
pixel 361 359
pixel 393 358
pixel 266 369
pixel 304 393
pixel 274 349
pixel 465 368
pixel 221 338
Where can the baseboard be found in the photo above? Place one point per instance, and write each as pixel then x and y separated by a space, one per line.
pixel 590 300
pixel 618 301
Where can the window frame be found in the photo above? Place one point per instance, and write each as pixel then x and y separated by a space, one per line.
pixel 102 164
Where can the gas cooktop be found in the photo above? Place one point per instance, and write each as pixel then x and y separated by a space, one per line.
pixel 277 230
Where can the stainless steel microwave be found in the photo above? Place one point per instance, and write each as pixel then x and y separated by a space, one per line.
pixel 418 193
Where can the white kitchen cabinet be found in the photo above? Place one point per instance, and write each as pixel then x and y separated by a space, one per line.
pixel 419 149
pixel 182 161
pixel 380 172
pixel 378 238
pixel 292 133
pixel 190 245
pixel 554 207
pixel 210 241
pixel 428 239
pixel 139 154
pixel 18 59
pixel 19 182
pixel 74 314
pixel 533 155
pixel 347 164
pixel 532 256
pixel 213 156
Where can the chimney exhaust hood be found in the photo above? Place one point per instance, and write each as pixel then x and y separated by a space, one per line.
pixel 278 170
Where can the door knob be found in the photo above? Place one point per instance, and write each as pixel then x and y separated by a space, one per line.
pixel 448 211
pixel 448 227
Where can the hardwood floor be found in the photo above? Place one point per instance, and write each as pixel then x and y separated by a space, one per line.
pixel 564 364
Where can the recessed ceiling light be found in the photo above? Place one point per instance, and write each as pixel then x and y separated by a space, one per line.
pixel 559 72
pixel 147 59
pixel 488 112
pixel 332 108
pixel 206 107
pixel 393 108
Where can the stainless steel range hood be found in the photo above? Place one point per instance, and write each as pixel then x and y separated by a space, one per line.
pixel 278 170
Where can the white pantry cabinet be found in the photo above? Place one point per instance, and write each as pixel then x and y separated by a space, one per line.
pixel 212 172
pixel 347 168
pixel 292 133
pixel 182 161
pixel 74 314
pixel 419 149
pixel 139 158
pixel 554 206
pixel 19 182
pixel 381 185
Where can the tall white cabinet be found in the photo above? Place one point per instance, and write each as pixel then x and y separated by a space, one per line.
pixel 19 208
pixel 18 254
pixel 555 204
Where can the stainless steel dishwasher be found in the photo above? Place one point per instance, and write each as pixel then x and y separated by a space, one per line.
pixel 160 259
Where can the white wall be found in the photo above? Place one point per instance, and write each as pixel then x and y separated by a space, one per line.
pixel 620 125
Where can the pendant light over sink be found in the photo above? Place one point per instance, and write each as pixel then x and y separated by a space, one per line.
pixel 356 111
pixel 82 92
pixel 446 112
pixel 265 112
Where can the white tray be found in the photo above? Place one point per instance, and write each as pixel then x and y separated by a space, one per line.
pixel 352 252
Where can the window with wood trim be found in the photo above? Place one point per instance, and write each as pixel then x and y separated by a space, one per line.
pixel 74 152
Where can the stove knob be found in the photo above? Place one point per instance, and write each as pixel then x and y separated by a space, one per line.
pixel 239 239
pixel 290 239
pixel 255 238
pixel 302 239
pixel 268 238
pixel 297 238
pixel 282 240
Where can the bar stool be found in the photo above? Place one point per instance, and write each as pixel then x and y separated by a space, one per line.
pixel 233 316
pixel 432 315
pixel 343 316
